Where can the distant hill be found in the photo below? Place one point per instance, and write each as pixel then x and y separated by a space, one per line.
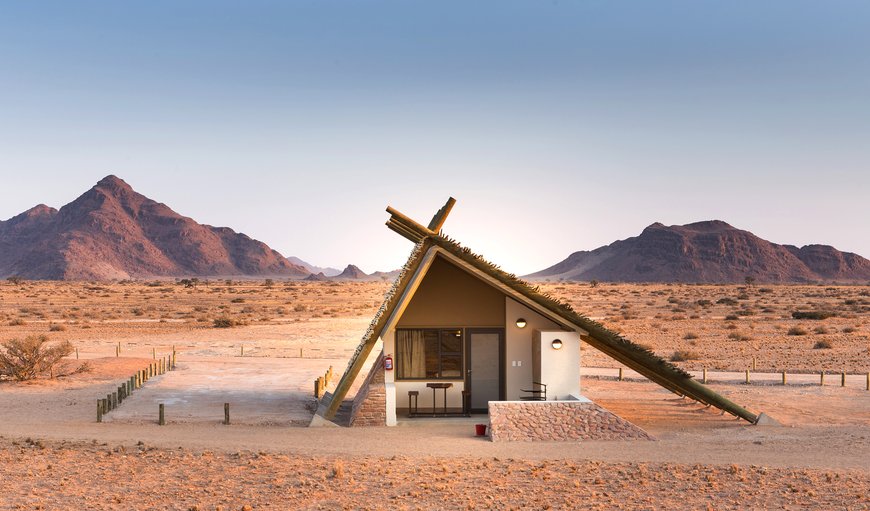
pixel 327 272
pixel 710 251
pixel 112 232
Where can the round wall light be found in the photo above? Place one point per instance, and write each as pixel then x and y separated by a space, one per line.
pixel 556 344
pixel 521 323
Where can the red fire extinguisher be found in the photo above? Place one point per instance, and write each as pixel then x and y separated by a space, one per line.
pixel 388 363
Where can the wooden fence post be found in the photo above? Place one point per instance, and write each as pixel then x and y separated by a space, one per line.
pixel 821 378
pixel 747 376
pixel 704 376
pixel 843 379
pixel 99 411
pixel 154 353
pixel 226 414
pixel 868 381
pixel 317 388
pixel 77 353
pixel 783 378
pixel 105 406
pixel 161 419
pixel 620 374
pixel 754 364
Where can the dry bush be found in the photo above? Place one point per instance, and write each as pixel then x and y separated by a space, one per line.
pixel 814 315
pixel 690 335
pixel 228 322
pixel 26 359
pixel 684 355
pixel 56 328
pixel 822 345
pixel 796 330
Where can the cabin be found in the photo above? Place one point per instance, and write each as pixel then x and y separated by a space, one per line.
pixel 459 336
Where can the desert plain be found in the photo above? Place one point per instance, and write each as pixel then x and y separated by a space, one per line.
pixel 278 336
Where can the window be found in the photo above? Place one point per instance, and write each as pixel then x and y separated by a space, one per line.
pixel 429 354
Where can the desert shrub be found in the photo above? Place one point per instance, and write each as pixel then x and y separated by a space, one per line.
pixel 732 317
pixel 820 330
pixel 849 330
pixel 237 300
pixel 690 335
pixel 14 280
pixel 796 330
pixel 765 290
pixel 822 345
pixel 684 355
pixel 734 336
pixel 227 322
pixel 17 322
pixel 704 303
pixel 726 301
pixel 25 359
pixel 56 328
pixel 814 315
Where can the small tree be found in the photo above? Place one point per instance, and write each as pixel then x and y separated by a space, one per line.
pixel 593 283
pixel 749 280
pixel 26 359
pixel 15 280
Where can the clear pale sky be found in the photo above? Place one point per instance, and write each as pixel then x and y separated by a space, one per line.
pixel 558 126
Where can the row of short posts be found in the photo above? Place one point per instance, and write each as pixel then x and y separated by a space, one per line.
pixel 748 377
pixel 321 383
pixel 135 382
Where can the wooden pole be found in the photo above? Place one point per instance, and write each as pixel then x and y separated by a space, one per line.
pixel 620 374
pixel 704 375
pixel 868 381
pixel 77 353
pixel 843 379
pixel 105 406
pixel 300 352
pixel 99 411
pixel 243 351
pixel 821 378
pixel 317 388
pixel 161 420
pixel 119 347
pixel 747 376
pixel 783 378
pixel 114 400
pixel 226 414
pixel 109 402
pixel 754 365
pixel 117 351
pixel 154 353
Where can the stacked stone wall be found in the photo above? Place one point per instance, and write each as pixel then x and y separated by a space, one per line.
pixel 370 403
pixel 558 420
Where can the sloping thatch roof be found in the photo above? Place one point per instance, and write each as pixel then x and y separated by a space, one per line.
pixel 611 343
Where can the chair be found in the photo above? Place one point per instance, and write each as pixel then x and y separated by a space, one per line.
pixel 535 394
pixel 412 410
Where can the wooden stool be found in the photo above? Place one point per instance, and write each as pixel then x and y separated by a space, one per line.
pixel 412 410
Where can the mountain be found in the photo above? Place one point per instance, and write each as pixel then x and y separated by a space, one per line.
pixel 710 251
pixel 351 272
pixel 327 272
pixel 113 232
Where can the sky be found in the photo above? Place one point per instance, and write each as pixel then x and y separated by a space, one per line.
pixel 558 126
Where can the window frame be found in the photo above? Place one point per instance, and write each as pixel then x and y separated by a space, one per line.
pixel 441 354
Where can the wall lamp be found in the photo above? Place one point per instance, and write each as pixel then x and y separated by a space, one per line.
pixel 521 323
pixel 556 344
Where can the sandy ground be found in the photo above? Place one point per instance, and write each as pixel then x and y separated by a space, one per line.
pixel 260 391
pixel 701 459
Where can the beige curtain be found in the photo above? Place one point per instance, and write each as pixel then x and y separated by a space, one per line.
pixel 411 347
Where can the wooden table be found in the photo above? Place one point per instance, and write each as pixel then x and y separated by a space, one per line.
pixel 435 387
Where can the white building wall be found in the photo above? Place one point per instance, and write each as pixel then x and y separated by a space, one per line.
pixel 518 346
pixel 559 369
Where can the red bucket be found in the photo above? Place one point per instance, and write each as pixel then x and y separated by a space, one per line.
pixel 480 429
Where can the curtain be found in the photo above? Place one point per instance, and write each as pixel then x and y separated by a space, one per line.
pixel 411 347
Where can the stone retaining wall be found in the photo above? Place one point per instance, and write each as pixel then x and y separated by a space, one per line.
pixel 558 420
pixel 370 403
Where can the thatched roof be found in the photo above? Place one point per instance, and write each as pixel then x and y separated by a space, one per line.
pixel 596 335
